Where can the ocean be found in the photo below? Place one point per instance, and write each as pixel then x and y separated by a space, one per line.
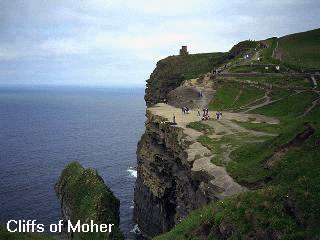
pixel 44 128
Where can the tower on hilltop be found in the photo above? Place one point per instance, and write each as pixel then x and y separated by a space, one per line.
pixel 184 50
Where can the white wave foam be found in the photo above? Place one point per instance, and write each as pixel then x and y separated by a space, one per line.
pixel 132 172
pixel 136 229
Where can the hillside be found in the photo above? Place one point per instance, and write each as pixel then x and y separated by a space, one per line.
pixel 172 71
pixel 253 174
pixel 300 50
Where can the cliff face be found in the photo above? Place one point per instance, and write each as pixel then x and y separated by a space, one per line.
pixel 165 189
pixel 175 173
pixel 84 196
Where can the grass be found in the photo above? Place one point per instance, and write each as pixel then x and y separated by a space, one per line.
pixel 247 96
pixel 289 107
pixel 233 95
pixel 172 71
pixel 253 68
pixel 243 47
pixel 287 207
pixel 88 198
pixel 301 50
pixel 277 94
pixel 287 204
pixel 188 225
pixel 267 52
pixel 225 96
pixel 197 64
pixel 231 141
pixel 262 127
pixel 201 127
pixel 281 80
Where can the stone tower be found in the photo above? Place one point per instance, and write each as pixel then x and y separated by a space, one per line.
pixel 184 50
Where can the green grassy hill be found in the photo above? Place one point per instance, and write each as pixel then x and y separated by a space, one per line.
pixel 301 50
pixel 281 173
pixel 172 71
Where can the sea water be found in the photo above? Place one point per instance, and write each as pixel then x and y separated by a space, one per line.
pixel 44 128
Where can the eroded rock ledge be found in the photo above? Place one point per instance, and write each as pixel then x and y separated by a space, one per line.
pixel 175 174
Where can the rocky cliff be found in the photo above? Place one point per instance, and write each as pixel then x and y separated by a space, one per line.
pixel 165 189
pixel 85 197
pixel 172 71
pixel 175 173
pixel 257 166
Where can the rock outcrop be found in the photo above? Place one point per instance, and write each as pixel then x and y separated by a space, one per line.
pixel 85 197
pixel 175 173
pixel 172 71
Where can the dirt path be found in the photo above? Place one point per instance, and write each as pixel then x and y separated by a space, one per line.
pixel 314 104
pixel 314 81
pixel 220 184
pixel 267 101
pixel 193 93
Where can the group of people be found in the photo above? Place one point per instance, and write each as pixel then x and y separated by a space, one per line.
pixel 205 116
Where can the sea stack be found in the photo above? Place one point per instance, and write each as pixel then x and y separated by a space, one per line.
pixel 87 200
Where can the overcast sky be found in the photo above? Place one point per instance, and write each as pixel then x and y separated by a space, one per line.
pixel 118 42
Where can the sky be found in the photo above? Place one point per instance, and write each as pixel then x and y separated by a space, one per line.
pixel 117 43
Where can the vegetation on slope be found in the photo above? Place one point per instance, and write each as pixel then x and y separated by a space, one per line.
pixel 301 50
pixel 87 197
pixel 172 71
pixel 232 95
pixel 200 127
pixel 281 172
pixel 243 47
pixel 291 106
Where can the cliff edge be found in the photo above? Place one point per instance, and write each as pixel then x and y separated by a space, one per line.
pixel 248 169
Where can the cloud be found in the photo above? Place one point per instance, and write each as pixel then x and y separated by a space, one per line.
pixel 7 54
pixel 67 46
pixel 111 38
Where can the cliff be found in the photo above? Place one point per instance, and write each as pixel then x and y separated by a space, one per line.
pixel 84 196
pixel 175 175
pixel 248 175
pixel 172 71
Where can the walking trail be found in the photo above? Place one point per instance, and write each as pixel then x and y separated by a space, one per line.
pixel 220 184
